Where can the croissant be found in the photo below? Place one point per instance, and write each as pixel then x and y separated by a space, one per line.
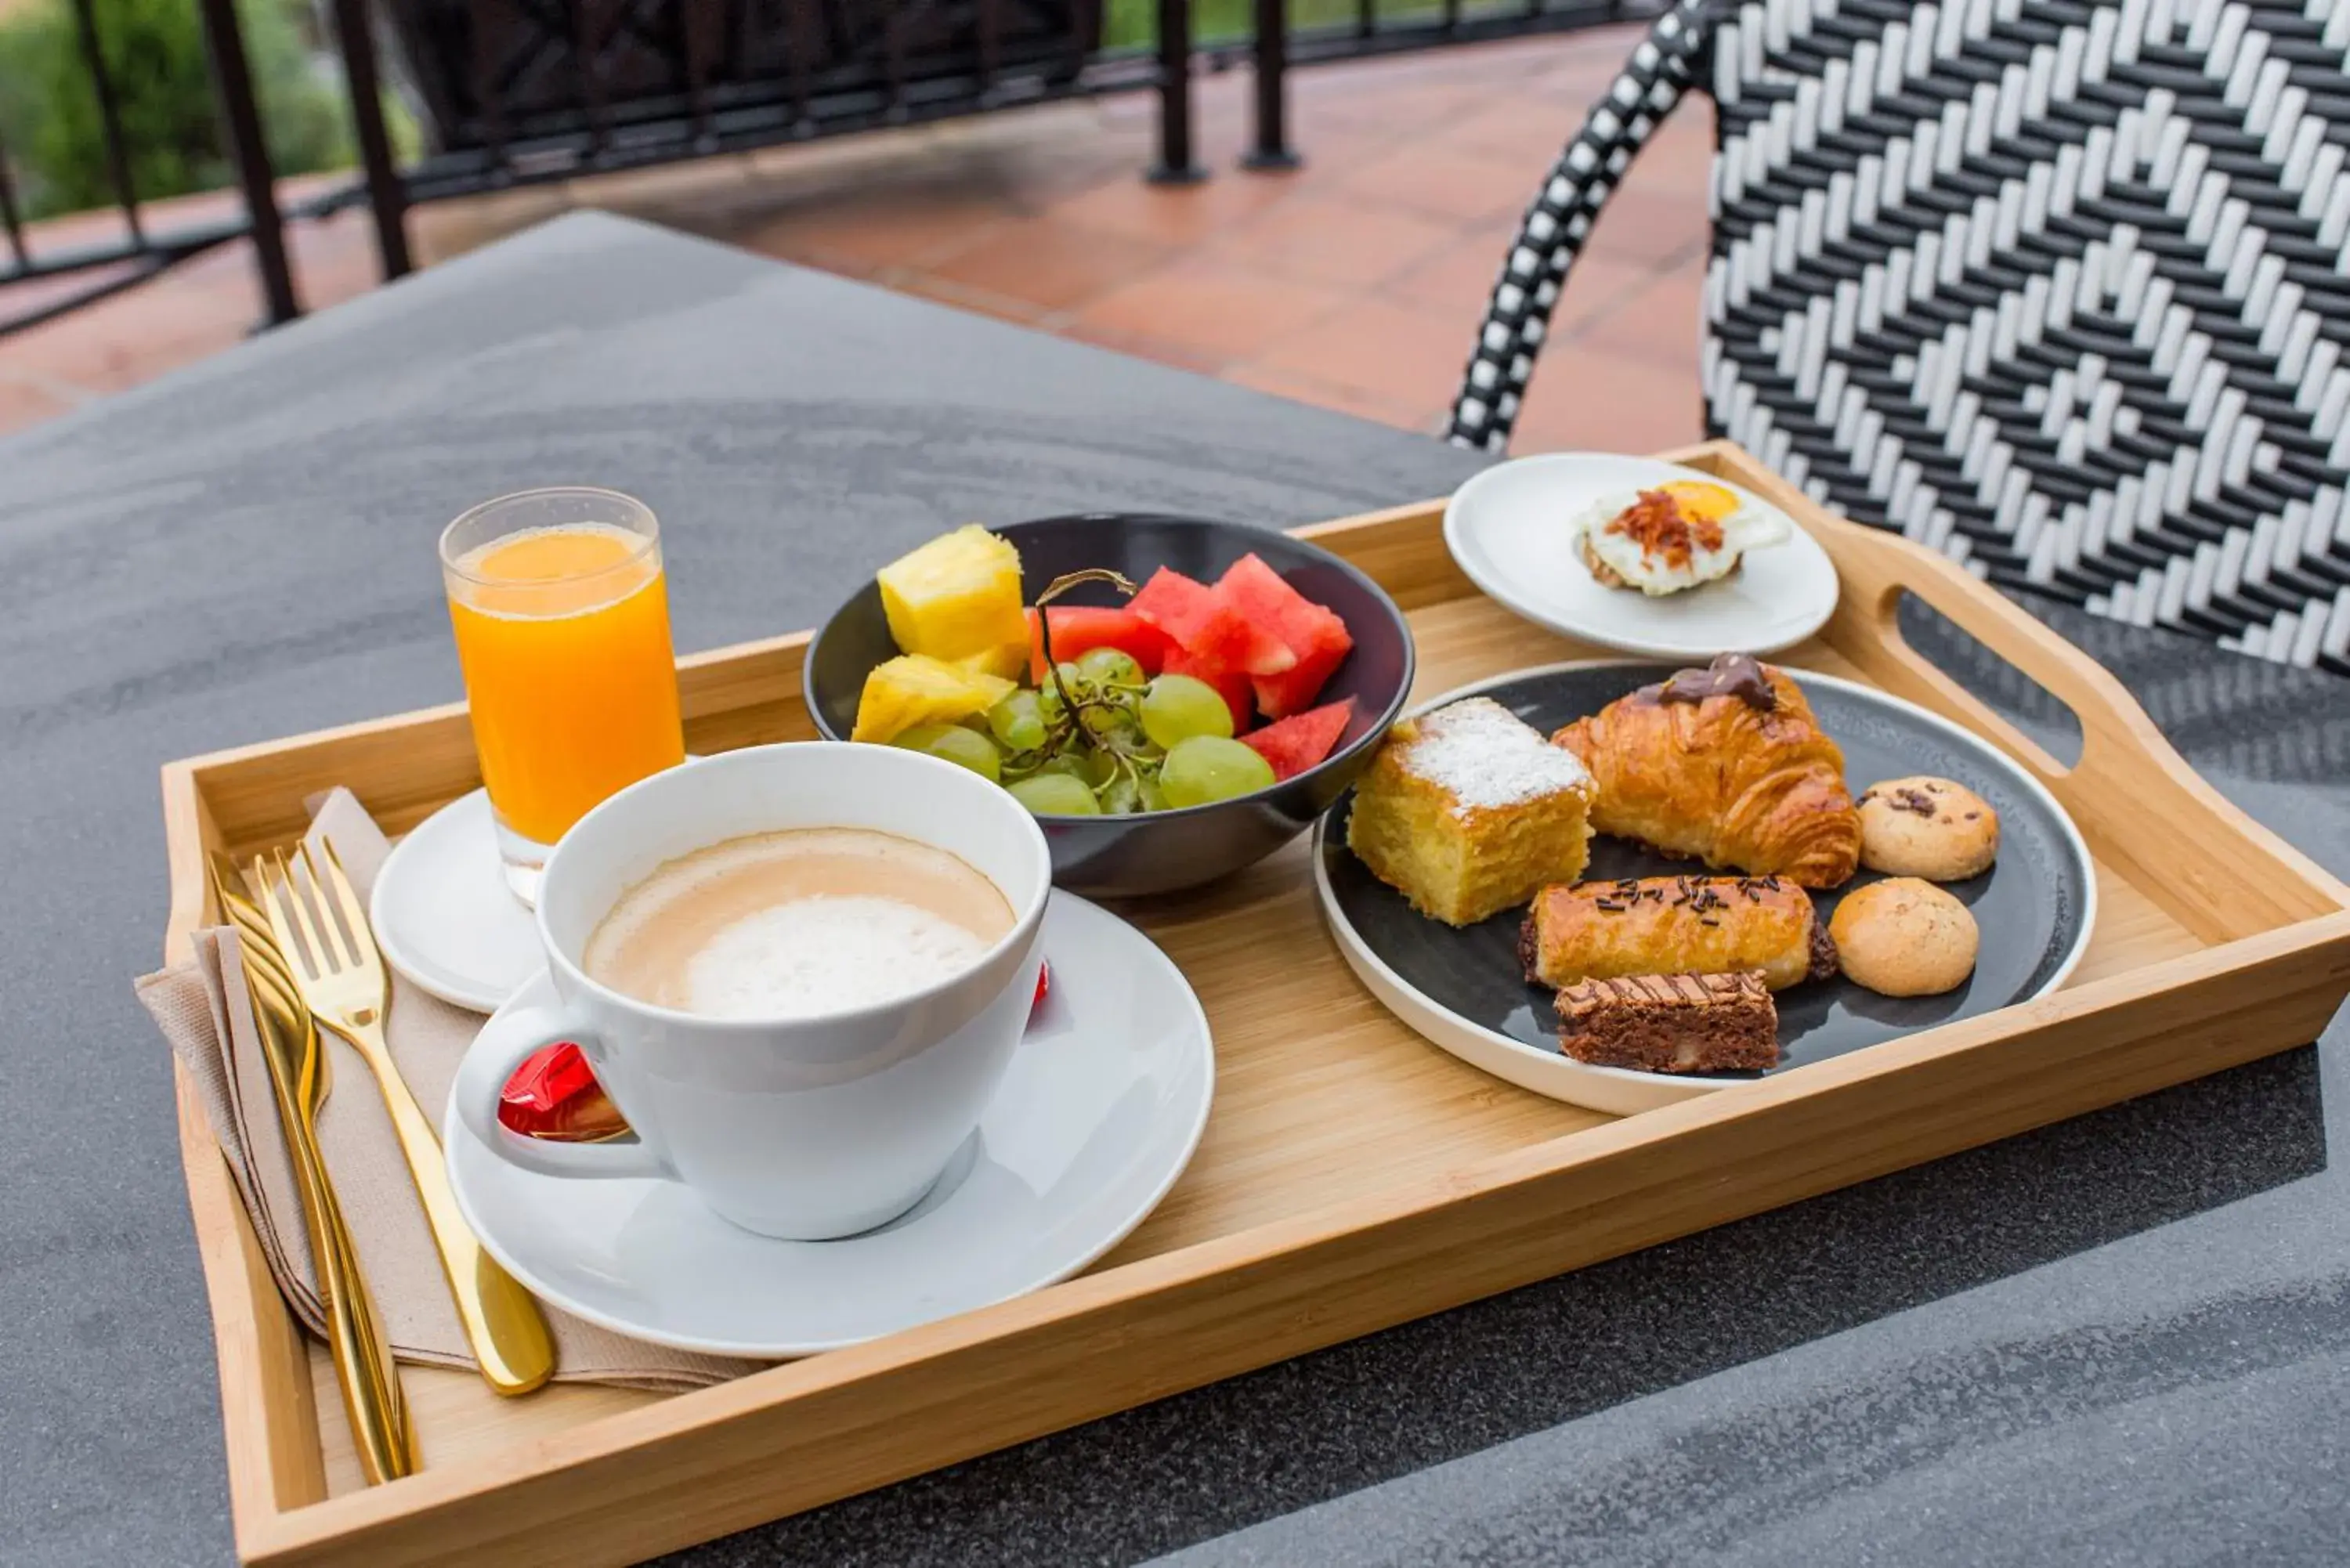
pixel 1675 925
pixel 1725 764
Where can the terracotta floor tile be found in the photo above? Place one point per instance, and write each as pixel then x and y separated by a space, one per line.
pixel 1304 389
pixel 1051 265
pixel 105 225
pixel 1678 160
pixel 1598 289
pixel 1336 240
pixel 1172 215
pixel 1025 160
pixel 22 404
pixel 441 230
pixel 1640 223
pixel 34 295
pixel 879 227
pixel 1450 184
pixel 1333 150
pixel 1659 318
pixel 135 336
pixel 1027 174
pixel 832 262
pixel 978 301
pixel 1222 136
pixel 1034 178
pixel 1586 399
pixel 1531 134
pixel 682 188
pixel 1460 282
pixel 1585 71
pixel 1395 111
pixel 1412 358
pixel 1457 281
pixel 1143 346
pixel 1216 309
pixel 888 147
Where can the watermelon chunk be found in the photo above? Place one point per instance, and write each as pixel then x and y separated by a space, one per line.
pixel 1230 685
pixel 1296 744
pixel 1080 629
pixel 1211 628
pixel 1316 639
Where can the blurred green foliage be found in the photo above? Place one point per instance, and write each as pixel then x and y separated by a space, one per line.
pixel 49 122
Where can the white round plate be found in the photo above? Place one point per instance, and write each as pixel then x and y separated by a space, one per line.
pixel 1105 1102
pixel 1511 529
pixel 444 914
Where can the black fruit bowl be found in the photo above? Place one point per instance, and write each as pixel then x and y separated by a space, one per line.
pixel 1162 851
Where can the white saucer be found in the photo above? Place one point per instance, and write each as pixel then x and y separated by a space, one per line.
pixel 1512 529
pixel 1104 1103
pixel 444 914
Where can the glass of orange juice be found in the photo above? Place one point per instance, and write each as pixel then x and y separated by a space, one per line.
pixel 562 619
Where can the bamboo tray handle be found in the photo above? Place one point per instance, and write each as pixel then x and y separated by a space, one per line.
pixel 2117 739
pixel 2131 793
pixel 1878 566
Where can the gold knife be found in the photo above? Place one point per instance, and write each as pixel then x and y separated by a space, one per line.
pixel 372 1398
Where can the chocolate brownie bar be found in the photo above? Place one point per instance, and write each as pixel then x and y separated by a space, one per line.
pixel 1671 1022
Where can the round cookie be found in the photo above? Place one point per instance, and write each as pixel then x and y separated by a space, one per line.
pixel 1902 937
pixel 1926 827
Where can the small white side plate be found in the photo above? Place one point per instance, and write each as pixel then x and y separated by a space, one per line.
pixel 1513 529
pixel 444 914
pixel 1104 1103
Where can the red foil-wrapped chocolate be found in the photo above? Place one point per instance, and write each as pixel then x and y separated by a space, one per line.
pixel 554 1095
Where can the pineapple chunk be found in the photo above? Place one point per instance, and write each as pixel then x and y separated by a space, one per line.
pixel 1007 663
pixel 955 597
pixel 915 689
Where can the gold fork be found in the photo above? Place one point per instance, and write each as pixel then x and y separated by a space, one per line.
pixel 340 975
pixel 372 1399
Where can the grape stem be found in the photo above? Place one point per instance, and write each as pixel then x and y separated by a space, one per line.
pixel 1073 706
pixel 1055 590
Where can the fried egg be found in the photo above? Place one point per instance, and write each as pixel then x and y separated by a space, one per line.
pixel 1674 537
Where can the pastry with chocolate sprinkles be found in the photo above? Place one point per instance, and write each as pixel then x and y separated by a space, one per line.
pixel 1675 925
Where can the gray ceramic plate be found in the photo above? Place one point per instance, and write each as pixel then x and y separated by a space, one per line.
pixel 1464 989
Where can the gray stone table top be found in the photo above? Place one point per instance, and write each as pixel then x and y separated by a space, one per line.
pixel 2124 1339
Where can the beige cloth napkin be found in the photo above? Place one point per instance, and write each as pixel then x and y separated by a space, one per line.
pixel 203 1012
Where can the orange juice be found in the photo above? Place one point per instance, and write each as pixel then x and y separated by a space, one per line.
pixel 563 633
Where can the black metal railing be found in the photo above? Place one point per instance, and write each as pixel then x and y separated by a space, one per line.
pixel 516 92
pixel 113 265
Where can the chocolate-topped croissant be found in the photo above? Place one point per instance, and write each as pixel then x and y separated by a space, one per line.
pixel 1725 764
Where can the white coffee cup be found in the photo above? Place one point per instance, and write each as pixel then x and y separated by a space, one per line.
pixel 804 1128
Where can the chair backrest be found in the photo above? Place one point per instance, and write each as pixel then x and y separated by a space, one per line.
pixel 2059 287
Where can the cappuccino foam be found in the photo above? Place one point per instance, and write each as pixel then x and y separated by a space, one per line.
pixel 797 925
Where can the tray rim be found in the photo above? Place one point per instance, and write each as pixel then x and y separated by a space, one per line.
pixel 1636 1091
pixel 806 1432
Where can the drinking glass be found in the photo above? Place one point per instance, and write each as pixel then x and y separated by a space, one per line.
pixel 561 613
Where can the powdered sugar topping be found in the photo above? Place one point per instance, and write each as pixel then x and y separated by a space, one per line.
pixel 1485 755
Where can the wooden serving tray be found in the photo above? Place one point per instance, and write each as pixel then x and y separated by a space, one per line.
pixel 1353 1176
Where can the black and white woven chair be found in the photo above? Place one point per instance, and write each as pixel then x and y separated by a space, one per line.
pixel 2059 288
